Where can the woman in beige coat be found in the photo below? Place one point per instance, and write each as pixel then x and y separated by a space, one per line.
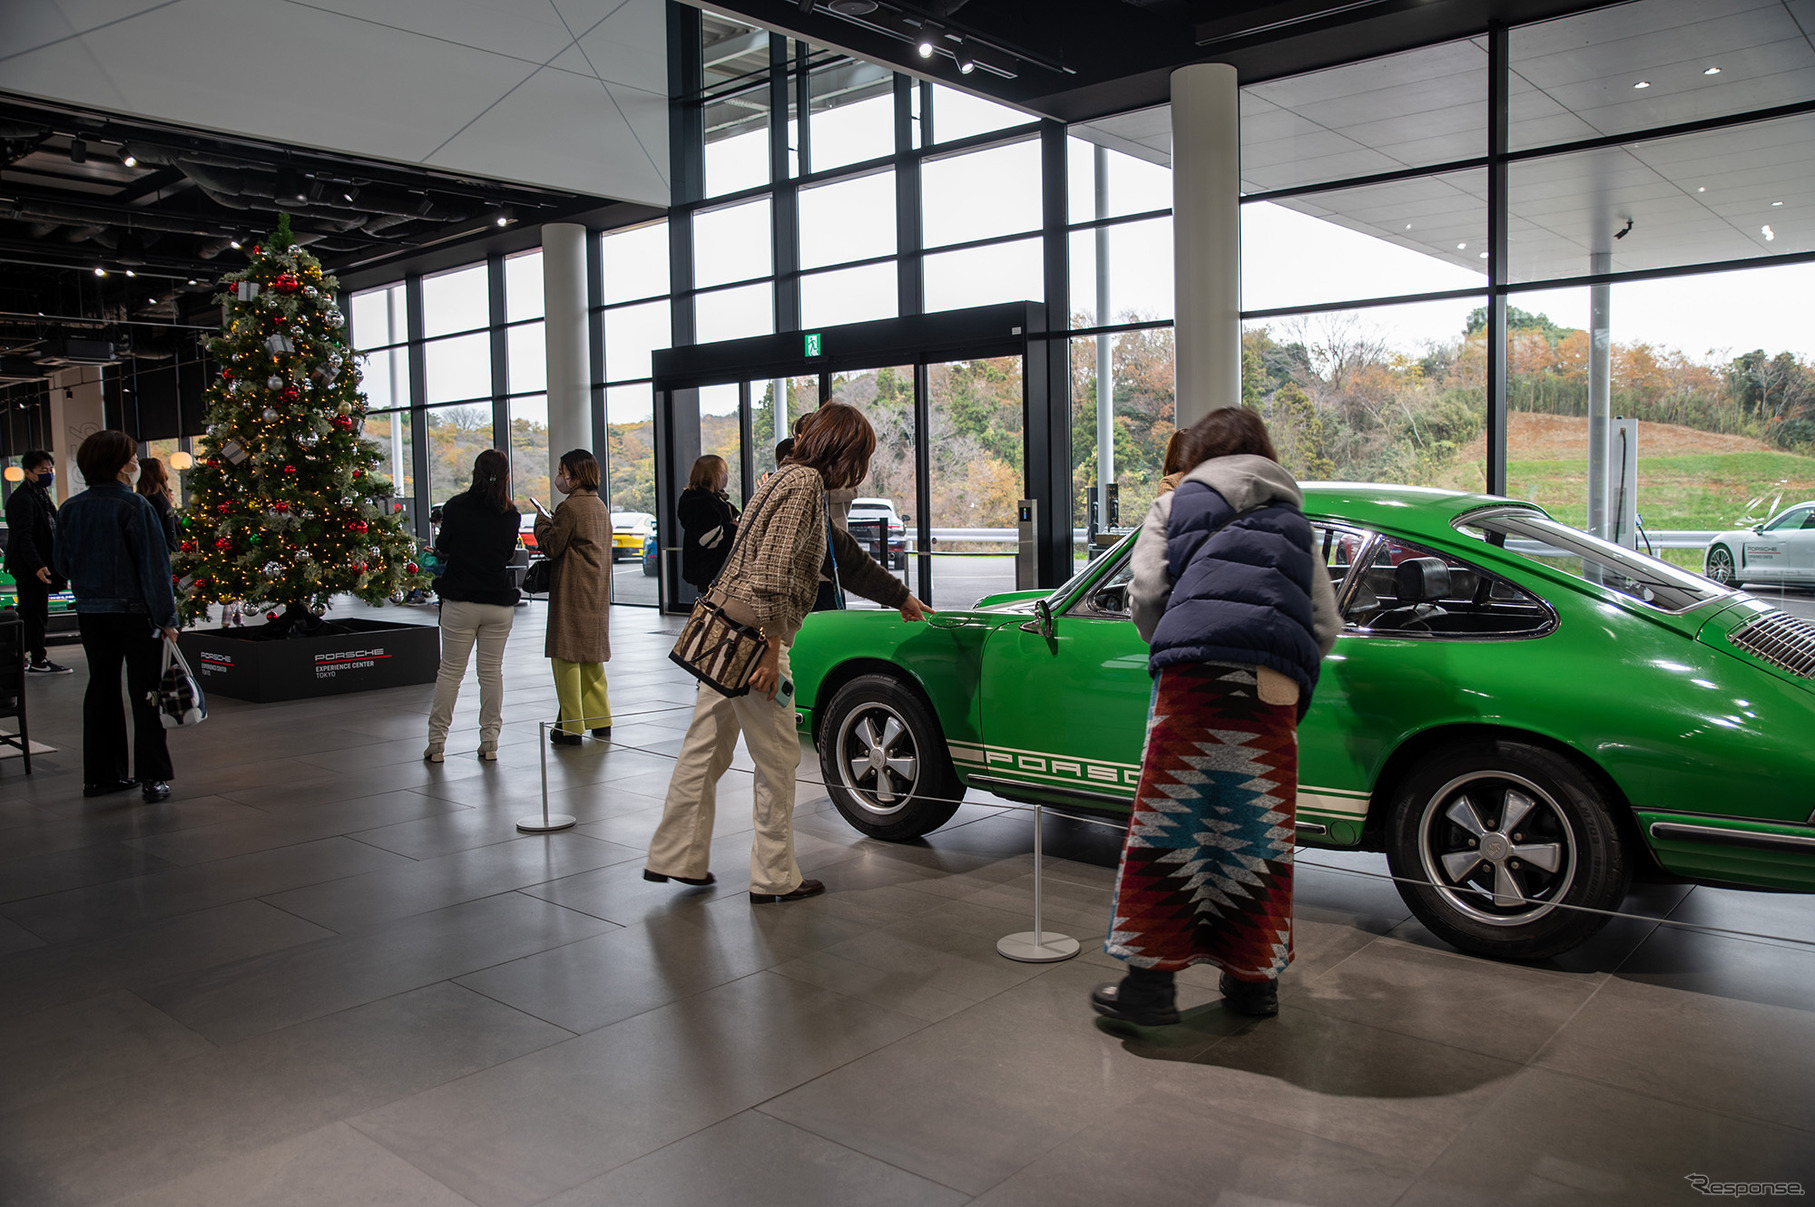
pixel 577 539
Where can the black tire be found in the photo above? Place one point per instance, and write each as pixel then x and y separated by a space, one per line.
pixel 1721 566
pixel 908 787
pixel 1499 891
pixel 648 568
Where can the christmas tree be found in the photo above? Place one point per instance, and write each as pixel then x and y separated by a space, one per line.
pixel 287 506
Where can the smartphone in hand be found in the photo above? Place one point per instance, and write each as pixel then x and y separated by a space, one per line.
pixel 538 505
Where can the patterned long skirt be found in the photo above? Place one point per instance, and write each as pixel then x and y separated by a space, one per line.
pixel 1206 870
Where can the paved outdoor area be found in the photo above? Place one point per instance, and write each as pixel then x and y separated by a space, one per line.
pixel 326 972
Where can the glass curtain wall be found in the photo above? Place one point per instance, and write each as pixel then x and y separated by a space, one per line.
pixel 1653 209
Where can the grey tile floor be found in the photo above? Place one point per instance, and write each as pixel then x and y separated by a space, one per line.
pixel 327 973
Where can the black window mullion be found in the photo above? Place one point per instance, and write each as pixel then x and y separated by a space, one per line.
pixel 419 392
pixel 494 282
pixel 784 211
pixel 1499 81
pixel 595 347
pixel 910 273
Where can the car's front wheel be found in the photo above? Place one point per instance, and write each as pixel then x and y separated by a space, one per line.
pixel 1720 567
pixel 885 762
pixel 1505 849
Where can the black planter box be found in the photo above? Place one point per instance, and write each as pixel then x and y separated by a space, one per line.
pixel 370 654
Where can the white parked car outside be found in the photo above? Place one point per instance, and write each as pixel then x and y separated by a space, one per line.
pixel 871 510
pixel 1781 550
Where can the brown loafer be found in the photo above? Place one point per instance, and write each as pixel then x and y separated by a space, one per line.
pixel 808 888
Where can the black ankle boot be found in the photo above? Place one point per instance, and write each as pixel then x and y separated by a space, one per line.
pixel 1145 997
pixel 1257 999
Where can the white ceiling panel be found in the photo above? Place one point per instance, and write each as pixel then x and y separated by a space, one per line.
pixel 455 84
pixel 532 31
pixel 600 132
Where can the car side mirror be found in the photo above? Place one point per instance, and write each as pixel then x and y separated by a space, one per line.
pixel 906 518
pixel 1043 618
pixel 1758 528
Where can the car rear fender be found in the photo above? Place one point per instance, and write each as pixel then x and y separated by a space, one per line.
pixel 1410 752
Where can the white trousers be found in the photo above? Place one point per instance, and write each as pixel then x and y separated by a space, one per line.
pixel 462 626
pixel 683 840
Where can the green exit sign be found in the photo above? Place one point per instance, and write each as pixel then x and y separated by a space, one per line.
pixel 813 343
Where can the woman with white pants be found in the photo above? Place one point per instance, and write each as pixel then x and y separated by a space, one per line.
pixel 478 602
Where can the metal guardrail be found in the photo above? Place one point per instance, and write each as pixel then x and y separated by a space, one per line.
pixel 1660 540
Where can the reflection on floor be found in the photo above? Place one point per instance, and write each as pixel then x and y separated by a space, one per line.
pixel 326 972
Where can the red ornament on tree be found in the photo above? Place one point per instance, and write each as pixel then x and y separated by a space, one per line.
pixel 224 508
pixel 280 506
pixel 410 567
pixel 223 543
pixel 290 394
pixel 270 615
pixel 342 423
pixel 289 469
pixel 286 283
pixel 359 473
pixel 187 546
pixel 214 463
pixel 360 568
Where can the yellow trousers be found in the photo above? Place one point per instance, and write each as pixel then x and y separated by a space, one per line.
pixel 585 702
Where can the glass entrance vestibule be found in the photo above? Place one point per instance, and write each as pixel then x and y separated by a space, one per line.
pixel 971 415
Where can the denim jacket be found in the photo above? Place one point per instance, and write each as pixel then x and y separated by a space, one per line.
pixel 110 546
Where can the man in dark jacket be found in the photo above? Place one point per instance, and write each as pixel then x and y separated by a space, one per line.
pixel 31 525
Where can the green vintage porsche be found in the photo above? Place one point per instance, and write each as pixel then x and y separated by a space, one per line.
pixel 1522 716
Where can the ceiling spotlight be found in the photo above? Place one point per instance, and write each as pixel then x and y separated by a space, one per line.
pixel 129 159
pixel 853 8
pixel 932 34
pixel 192 280
pixel 233 243
pixel 99 271
pixel 78 151
pixel 1767 232
pixel 1461 247
pixel 967 62
pixel 1775 204
pixel 806 6
pixel 1484 255
pixel 1643 84
pixel 1712 71
pixel 1702 188
pixel 1408 226
pixel 131 273
pixel 503 218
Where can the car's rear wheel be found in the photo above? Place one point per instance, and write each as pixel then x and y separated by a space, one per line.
pixel 1505 849
pixel 885 762
pixel 1720 566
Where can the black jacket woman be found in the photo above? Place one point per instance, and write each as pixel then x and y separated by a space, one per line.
pixel 708 521
pixel 154 484
pixel 478 603
pixel 110 546
pixel 769 581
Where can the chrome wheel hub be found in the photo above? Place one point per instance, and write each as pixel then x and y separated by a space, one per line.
pixel 877 762
pixel 1497 848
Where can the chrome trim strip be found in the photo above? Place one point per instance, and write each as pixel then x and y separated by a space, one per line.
pixel 1734 838
pixel 1310 827
pixel 1096 799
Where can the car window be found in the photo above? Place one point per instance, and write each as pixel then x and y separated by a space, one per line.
pixel 1408 589
pixel 1110 597
pixel 1648 580
pixel 1793 518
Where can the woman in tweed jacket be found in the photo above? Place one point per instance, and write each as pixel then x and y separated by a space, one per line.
pixel 770 581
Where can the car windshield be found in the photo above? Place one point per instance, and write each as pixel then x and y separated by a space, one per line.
pixel 1646 579
pixel 1075 581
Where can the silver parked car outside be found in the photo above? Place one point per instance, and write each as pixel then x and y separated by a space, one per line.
pixel 1781 550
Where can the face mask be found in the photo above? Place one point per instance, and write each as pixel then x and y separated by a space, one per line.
pixel 132 478
pixel 46 478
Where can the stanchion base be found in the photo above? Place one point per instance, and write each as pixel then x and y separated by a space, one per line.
pixel 1047 947
pixel 537 824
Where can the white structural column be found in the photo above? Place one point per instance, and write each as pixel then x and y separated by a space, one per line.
pixel 1600 394
pixel 1206 239
pixel 564 309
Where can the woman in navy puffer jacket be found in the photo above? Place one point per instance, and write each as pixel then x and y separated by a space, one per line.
pixel 1237 607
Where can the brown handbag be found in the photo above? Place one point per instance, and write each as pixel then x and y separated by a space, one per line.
pixel 720 652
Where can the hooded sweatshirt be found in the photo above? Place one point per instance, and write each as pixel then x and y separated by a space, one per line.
pixel 1224 571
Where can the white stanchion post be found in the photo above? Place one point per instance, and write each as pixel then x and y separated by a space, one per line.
pixel 545 824
pixel 1037 946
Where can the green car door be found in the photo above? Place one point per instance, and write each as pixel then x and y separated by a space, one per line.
pixel 1064 699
